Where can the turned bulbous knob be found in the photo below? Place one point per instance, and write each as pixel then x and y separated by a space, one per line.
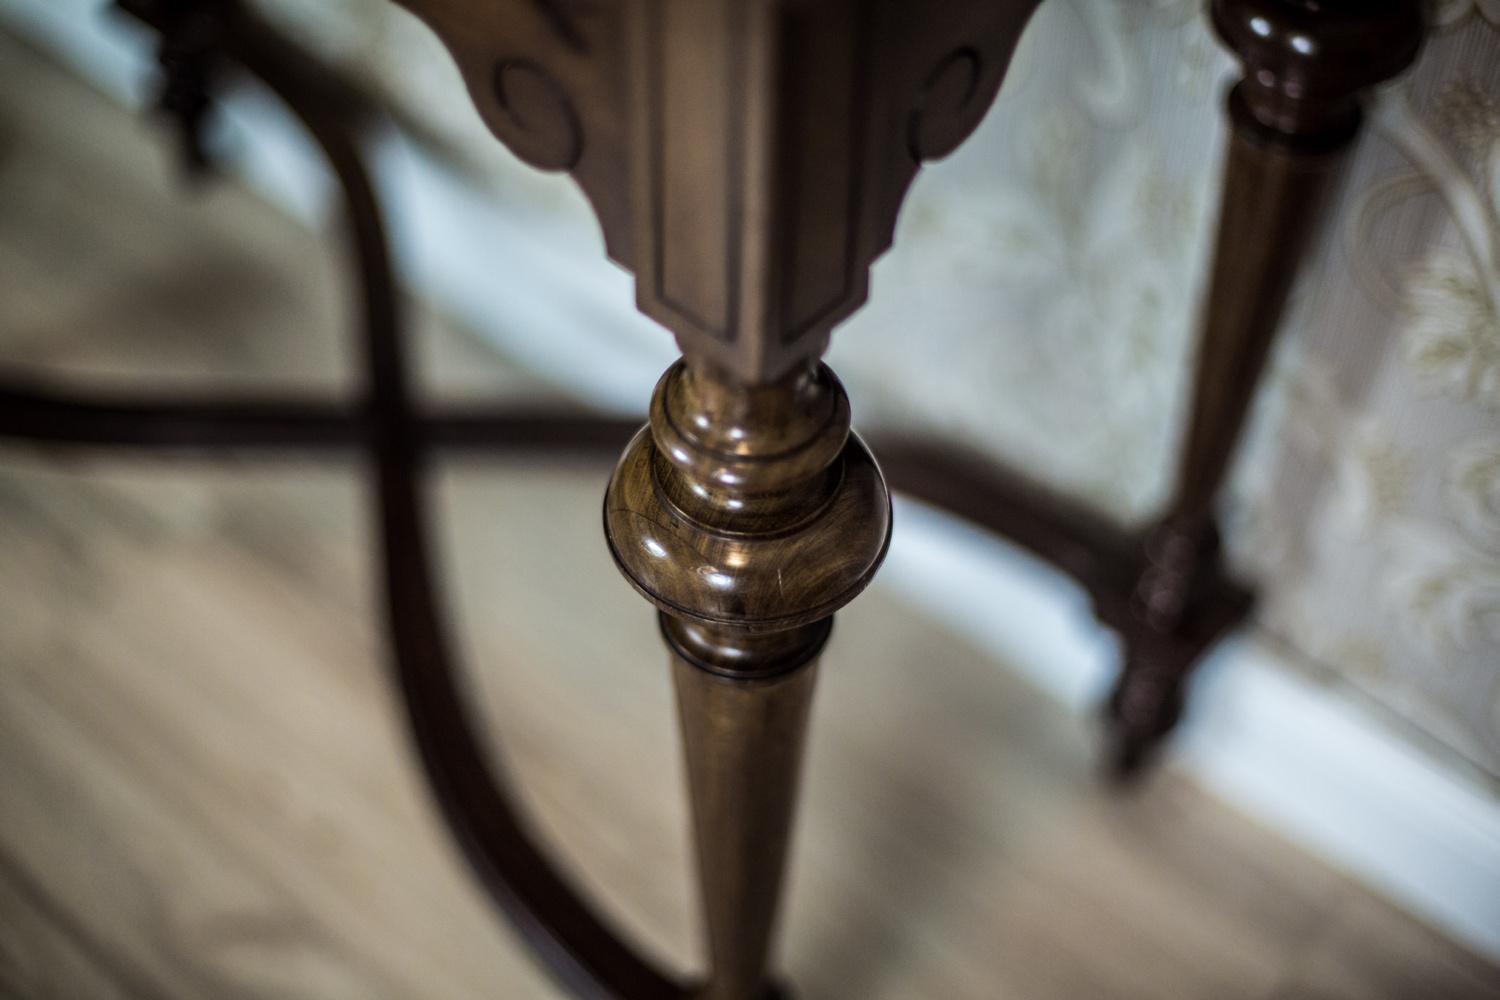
pixel 748 506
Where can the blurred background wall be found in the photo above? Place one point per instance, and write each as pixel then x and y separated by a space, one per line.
pixel 1039 306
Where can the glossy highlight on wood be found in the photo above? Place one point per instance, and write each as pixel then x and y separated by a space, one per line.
pixel 748 514
pixel 743 738
pixel 723 518
pixel 751 205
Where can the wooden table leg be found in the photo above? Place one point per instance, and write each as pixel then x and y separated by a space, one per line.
pixel 1293 118
pixel 746 161
pixel 747 514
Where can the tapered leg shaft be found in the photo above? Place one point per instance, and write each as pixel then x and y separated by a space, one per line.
pixel 743 736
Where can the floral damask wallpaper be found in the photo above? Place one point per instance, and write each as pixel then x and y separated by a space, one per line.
pixel 1040 303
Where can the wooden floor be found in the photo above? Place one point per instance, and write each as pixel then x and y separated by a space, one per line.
pixel 204 785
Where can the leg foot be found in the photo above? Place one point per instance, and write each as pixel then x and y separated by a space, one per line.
pixel 1181 603
pixel 1143 708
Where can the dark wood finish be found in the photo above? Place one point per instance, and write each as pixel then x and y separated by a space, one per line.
pixel 748 515
pixel 747 162
pixel 270 856
pixel 767 150
pixel 751 507
pixel 274 424
pixel 580 949
pixel 1293 116
pixel 743 738
pixel 750 179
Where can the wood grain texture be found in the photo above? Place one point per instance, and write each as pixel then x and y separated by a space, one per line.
pixel 743 744
pixel 748 515
pixel 758 511
pixel 204 790
pixel 746 160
